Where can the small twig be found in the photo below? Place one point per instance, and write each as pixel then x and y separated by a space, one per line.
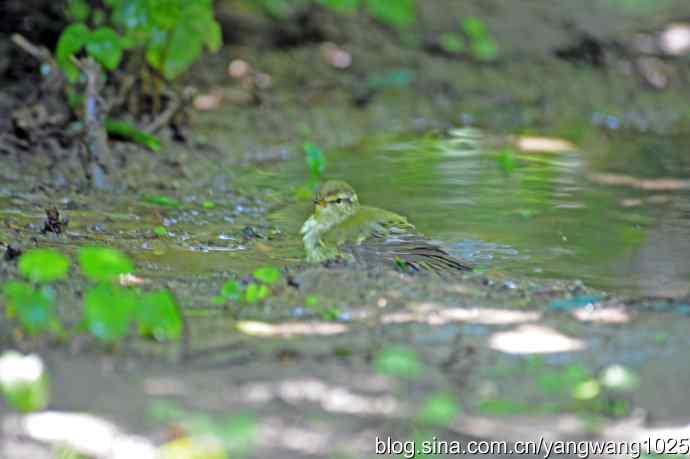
pixel 177 104
pixel 39 52
pixel 55 79
pixel 95 134
pixel 164 118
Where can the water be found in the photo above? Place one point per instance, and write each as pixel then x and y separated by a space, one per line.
pixel 546 218
pixel 536 215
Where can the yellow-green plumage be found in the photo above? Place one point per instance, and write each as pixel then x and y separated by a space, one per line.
pixel 341 228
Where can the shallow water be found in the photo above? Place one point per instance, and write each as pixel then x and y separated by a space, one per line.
pixel 546 218
pixel 537 215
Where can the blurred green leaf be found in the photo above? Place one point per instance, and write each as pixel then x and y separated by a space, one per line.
pixel 160 231
pixel 587 390
pixel 440 409
pixel 103 263
pixel 503 407
pixel 255 292
pixel 159 316
pixel 161 200
pixel 231 290
pixel 129 132
pixel 33 308
pixel 398 361
pixel 316 160
pixel 507 160
pixel 105 46
pixel 78 10
pixel 238 434
pixel 108 310
pixel 485 50
pixel 452 43
pixel 474 28
pixel 267 274
pixel 43 265
pixel 71 40
pixel 397 13
pixel 341 6
pixel 165 411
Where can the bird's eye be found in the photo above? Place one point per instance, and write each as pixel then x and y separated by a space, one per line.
pixel 338 201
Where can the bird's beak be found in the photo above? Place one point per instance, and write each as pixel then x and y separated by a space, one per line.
pixel 320 202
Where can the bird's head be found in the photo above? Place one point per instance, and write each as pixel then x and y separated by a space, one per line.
pixel 334 201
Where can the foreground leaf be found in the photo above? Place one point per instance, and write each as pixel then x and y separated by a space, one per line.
pixel 267 274
pixel 33 308
pixel 103 263
pixel 108 311
pixel 44 265
pixel 398 361
pixel 159 316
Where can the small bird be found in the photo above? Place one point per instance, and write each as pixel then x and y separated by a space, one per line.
pixel 342 229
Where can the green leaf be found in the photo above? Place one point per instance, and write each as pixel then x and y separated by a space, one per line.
pixel 129 132
pixel 159 316
pixel 474 28
pixel 485 50
pixel 33 308
pixel 208 204
pixel 131 15
pixel 160 231
pixel 502 407
pixel 587 390
pixel 239 434
pixel 452 43
pixel 507 161
pixel 397 13
pixel 105 46
pixel 316 160
pixel 177 50
pixel 231 290
pixel 108 311
pixel 70 42
pixel 78 10
pixel 341 6
pixel 440 409
pixel 213 36
pixel 44 265
pixel 267 274
pixel 256 292
pixel 398 361
pixel 161 200
pixel 103 263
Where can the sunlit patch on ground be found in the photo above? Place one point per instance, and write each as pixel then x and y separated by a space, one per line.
pixel 290 328
pixel 544 144
pixel 534 339
pixel 84 433
pixel 437 314
pixel 607 315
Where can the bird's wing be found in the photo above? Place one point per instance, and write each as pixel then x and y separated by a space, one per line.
pixel 374 236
